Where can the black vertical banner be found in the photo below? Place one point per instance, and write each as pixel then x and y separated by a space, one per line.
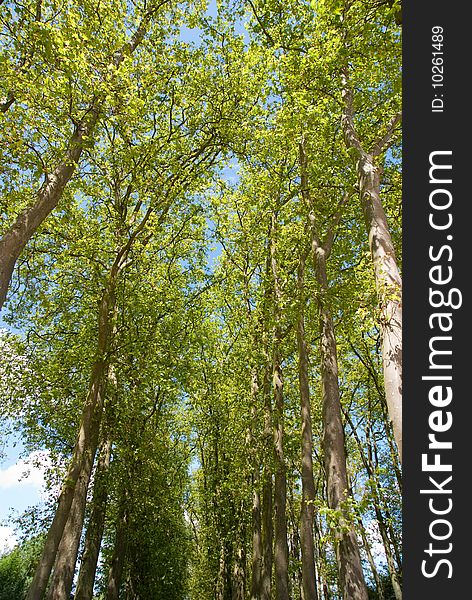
pixel 437 364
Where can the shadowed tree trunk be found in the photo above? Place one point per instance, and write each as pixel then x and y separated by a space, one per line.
pixel 85 447
pixel 308 485
pixel 257 552
pixel 87 440
pixel 351 577
pixel 93 538
pixel 267 465
pixel 257 549
pixel 61 584
pixel 267 536
pixel 115 572
pixel 64 568
pixel 280 487
pixel 267 496
pixel 238 587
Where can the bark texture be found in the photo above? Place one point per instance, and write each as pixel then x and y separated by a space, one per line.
pixel 310 591
pixel 351 577
pixel 115 572
pixel 387 275
pixel 85 447
pixel 257 551
pixel 93 538
pixel 64 568
pixel 280 484
pixel 389 290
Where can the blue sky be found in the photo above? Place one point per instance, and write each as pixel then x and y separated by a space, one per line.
pixel 17 490
pixel 21 486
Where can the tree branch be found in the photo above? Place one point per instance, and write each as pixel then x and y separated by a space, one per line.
pixel 347 119
pixel 383 142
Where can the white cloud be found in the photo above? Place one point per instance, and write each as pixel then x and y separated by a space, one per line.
pixel 28 471
pixel 8 539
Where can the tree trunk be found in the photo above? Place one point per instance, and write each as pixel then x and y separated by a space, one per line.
pixel 267 537
pixel 93 539
pixel 238 587
pixel 115 572
pixel 387 275
pixel 64 568
pixel 257 552
pixel 370 467
pixel 351 577
pixel 383 522
pixel 27 222
pixel 389 290
pixel 371 561
pixel 308 485
pixel 280 484
pixel 84 450
pixel 320 549
pixel 267 484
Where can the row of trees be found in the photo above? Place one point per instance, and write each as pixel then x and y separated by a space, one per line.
pixel 200 250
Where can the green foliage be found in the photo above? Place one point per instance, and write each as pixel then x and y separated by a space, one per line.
pixel 17 569
pixel 197 146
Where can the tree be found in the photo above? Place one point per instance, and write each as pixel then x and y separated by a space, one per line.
pixel 196 335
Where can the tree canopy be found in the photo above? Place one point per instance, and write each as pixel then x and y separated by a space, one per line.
pixel 200 283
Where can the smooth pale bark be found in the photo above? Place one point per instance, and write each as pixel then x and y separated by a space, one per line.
pixel 27 222
pixel 310 591
pixel 280 483
pixel 93 538
pixel 393 455
pixel 387 275
pixel 370 559
pixel 389 289
pixel 370 366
